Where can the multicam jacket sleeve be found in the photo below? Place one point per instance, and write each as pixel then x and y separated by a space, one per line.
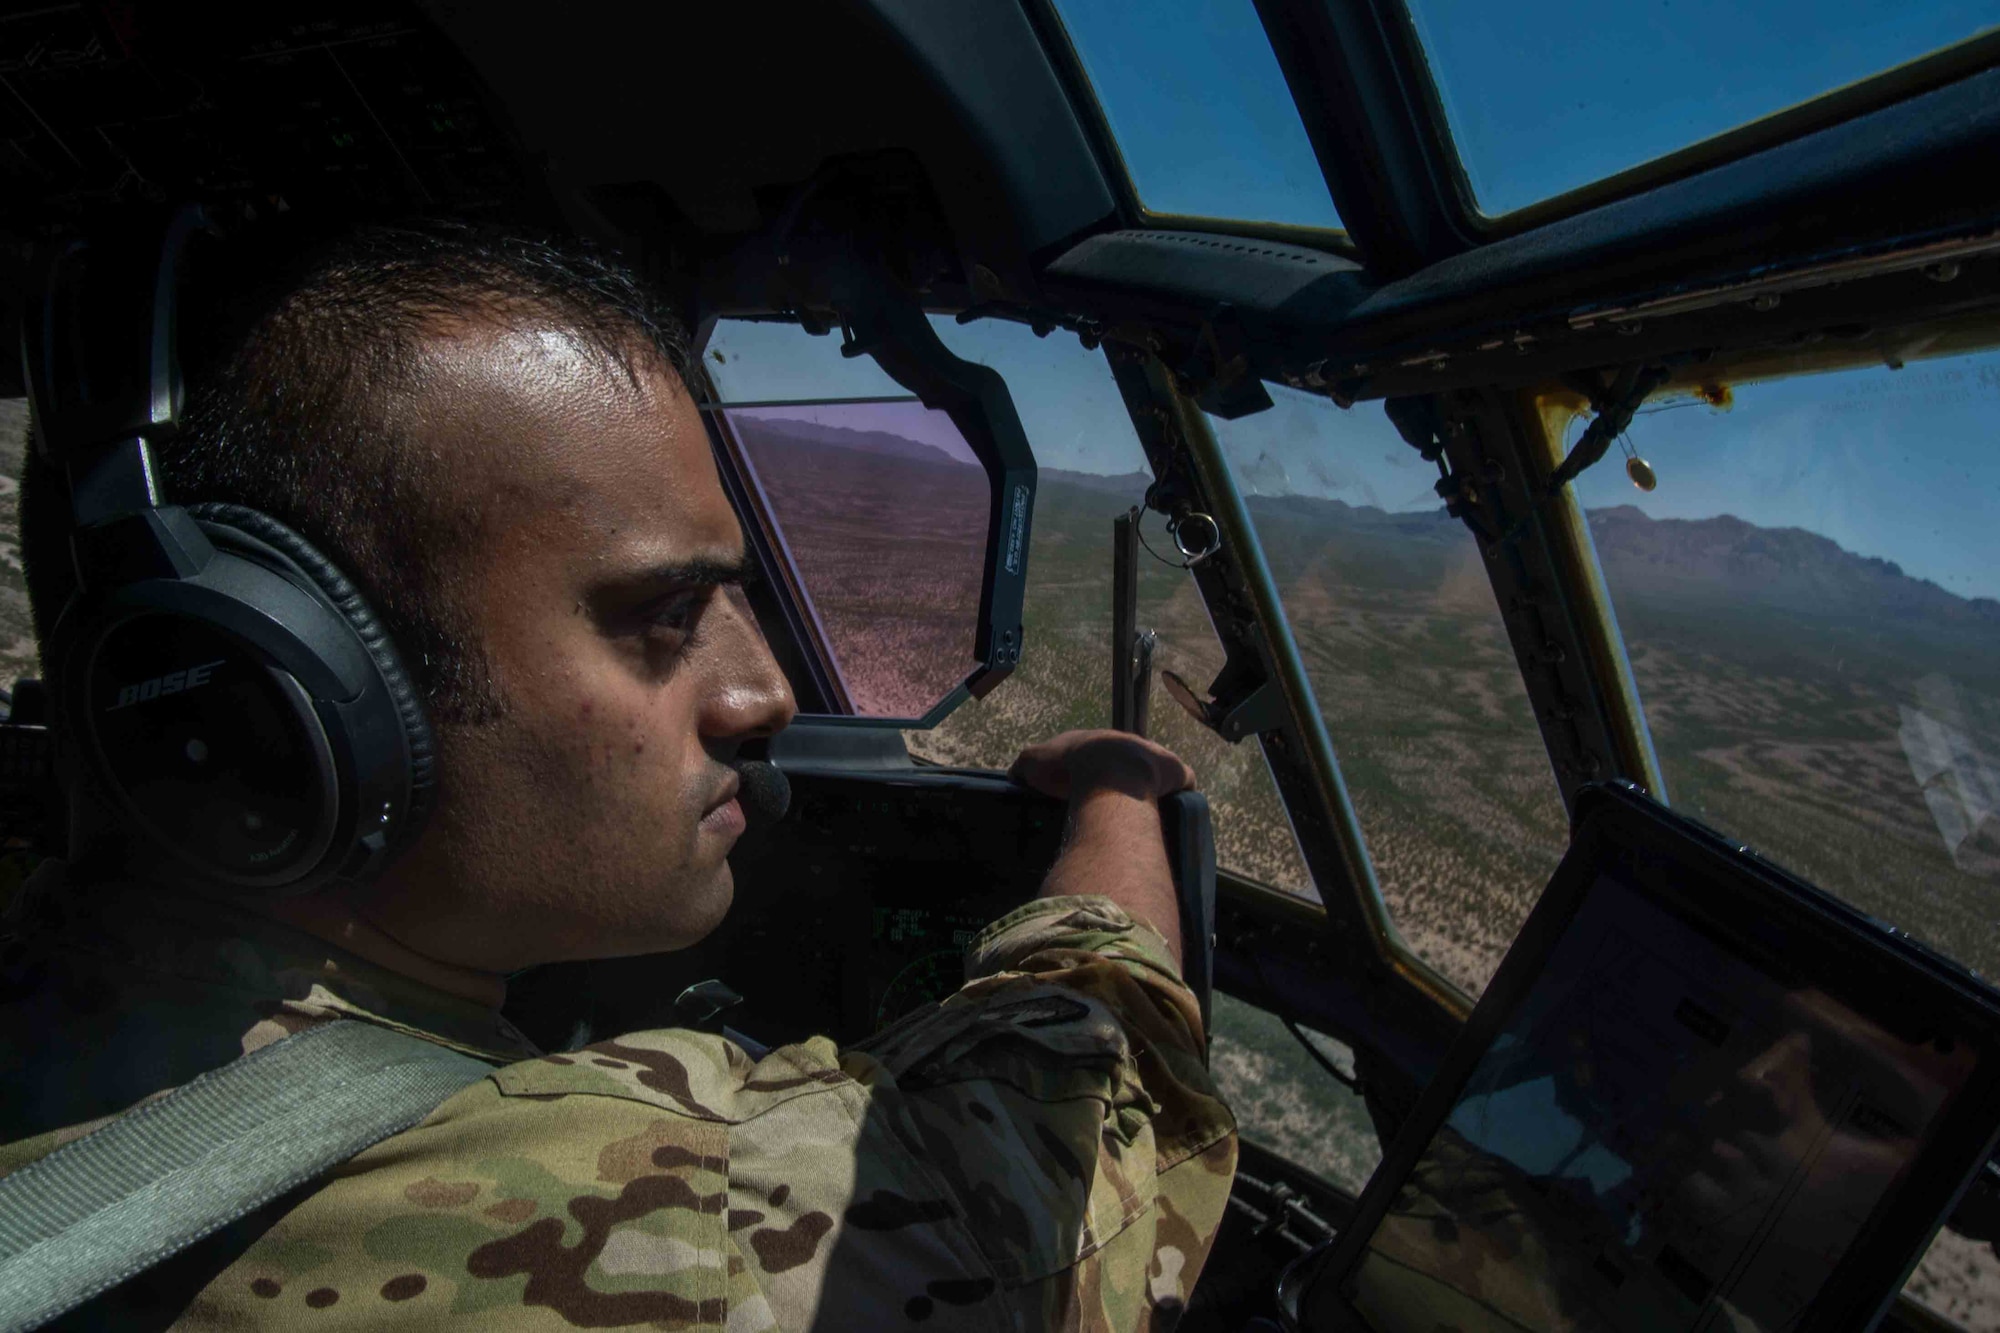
pixel 1043 1150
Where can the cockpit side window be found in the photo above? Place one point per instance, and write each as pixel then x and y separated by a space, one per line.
pixel 18 653
pixel 872 510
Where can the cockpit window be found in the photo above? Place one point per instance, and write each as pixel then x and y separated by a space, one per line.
pixel 1091 469
pixel 878 512
pixel 873 510
pixel 1393 613
pixel 1811 601
pixel 757 361
pixel 1546 97
pixel 1201 113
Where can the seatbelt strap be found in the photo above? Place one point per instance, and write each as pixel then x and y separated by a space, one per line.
pixel 159 1178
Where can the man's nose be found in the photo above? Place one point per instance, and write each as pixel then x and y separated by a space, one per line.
pixel 751 698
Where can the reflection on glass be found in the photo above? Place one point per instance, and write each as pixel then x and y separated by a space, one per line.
pixel 1091 469
pixel 1200 110
pixel 1662 1137
pixel 1533 115
pixel 1808 600
pixel 879 510
pixel 1390 604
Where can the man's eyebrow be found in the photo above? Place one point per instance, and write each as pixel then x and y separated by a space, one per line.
pixel 699 572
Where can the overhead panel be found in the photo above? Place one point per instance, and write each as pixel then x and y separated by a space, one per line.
pixel 985 58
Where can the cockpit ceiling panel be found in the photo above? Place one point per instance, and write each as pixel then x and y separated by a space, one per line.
pixel 362 107
pixel 718 102
pixel 1818 252
pixel 509 108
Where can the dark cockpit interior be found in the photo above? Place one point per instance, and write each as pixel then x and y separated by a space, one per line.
pixel 898 229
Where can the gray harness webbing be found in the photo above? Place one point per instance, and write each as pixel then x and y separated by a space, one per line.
pixel 157 1179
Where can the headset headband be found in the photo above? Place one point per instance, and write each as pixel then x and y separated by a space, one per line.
pixel 101 366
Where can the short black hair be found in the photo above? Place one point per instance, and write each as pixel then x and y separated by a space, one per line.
pixel 297 359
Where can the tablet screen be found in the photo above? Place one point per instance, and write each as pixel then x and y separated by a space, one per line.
pixel 1661 1136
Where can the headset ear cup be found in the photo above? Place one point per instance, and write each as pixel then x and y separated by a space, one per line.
pixel 347 599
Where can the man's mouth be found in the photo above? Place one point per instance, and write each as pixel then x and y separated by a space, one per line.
pixel 724 817
pixel 1741 1162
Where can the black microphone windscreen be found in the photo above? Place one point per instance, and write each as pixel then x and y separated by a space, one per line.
pixel 765 794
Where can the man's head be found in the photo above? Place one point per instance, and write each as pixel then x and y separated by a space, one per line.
pixel 493 437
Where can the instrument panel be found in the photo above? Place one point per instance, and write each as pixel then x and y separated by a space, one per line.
pixel 856 907
pixel 852 910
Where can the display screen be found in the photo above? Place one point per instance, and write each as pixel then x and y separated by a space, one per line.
pixel 1663 1136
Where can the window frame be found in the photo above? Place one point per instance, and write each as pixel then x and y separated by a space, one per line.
pixel 1075 80
pixel 1399 183
pixel 1340 967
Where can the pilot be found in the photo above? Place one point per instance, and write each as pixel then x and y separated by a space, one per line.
pixel 495 437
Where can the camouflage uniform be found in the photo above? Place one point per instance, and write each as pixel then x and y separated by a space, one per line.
pixel 1044 1150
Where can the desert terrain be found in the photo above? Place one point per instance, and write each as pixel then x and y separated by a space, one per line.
pixel 1819 705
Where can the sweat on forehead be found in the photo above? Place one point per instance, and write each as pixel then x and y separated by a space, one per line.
pixel 532 417
pixel 535 345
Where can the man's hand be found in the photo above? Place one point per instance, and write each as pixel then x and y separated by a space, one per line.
pixel 1113 782
pixel 1087 760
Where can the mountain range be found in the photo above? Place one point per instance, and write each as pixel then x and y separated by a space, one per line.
pixel 1666 557
pixel 1667 560
pixel 888 444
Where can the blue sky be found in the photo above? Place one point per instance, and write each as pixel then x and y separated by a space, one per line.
pixel 1902 464
pixel 1542 95
pixel 1899 464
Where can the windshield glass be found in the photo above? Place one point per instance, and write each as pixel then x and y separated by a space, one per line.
pixel 1394 616
pixel 1201 113
pixel 1091 469
pixel 1549 95
pixel 1809 602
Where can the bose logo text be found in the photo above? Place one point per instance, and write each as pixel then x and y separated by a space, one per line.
pixel 174 682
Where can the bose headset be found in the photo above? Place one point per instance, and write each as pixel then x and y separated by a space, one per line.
pixel 221 679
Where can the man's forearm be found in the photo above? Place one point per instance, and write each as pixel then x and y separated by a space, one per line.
pixel 1115 847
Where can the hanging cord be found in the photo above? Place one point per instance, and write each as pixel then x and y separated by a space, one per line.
pixel 1614 414
pixel 1170 564
pixel 1208 534
pixel 1334 1071
pixel 1629 390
